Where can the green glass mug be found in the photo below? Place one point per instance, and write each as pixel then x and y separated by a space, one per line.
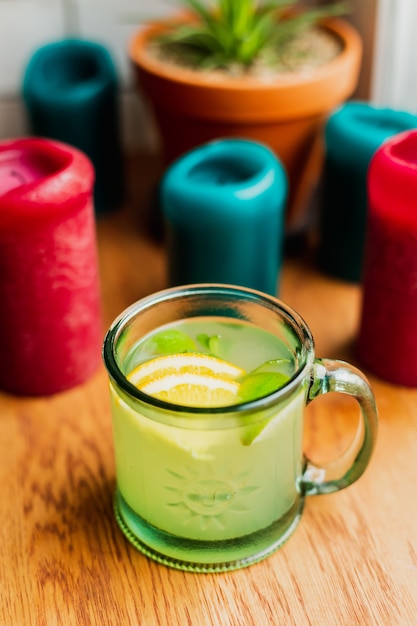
pixel 191 493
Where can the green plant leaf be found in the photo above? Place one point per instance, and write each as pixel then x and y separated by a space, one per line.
pixel 237 32
pixel 258 38
pixel 201 9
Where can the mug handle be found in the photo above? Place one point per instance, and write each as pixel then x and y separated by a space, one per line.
pixel 331 375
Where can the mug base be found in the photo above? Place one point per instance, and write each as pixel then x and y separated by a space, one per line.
pixel 205 556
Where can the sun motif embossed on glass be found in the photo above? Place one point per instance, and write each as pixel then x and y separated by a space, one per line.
pixel 209 496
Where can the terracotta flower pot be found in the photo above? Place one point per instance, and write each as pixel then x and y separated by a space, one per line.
pixel 286 113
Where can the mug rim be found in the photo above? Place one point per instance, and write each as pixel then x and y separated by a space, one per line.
pixel 292 318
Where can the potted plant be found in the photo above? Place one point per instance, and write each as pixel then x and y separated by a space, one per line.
pixel 251 69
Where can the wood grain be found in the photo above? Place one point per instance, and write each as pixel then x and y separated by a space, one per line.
pixel 352 560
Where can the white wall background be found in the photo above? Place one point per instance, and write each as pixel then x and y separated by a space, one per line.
pixel 394 81
pixel 25 25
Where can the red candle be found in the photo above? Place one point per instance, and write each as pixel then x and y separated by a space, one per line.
pixel 50 323
pixel 387 342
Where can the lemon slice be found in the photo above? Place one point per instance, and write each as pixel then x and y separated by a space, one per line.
pixel 193 390
pixel 188 362
pixel 189 379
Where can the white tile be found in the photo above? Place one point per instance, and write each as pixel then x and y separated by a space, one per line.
pixel 113 23
pixel 25 25
pixel 394 83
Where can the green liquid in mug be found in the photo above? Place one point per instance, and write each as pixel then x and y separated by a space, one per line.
pixel 196 494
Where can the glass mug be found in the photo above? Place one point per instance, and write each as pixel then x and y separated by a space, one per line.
pixel 191 493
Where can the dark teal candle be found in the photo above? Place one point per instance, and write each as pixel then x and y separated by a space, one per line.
pixel 352 136
pixel 70 90
pixel 223 205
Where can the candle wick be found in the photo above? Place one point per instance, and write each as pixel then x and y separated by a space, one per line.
pixel 18 175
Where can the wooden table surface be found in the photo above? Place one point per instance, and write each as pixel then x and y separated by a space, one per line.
pixel 63 560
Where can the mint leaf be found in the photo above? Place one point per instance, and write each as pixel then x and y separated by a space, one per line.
pixel 251 432
pixel 171 342
pixel 258 384
pixel 204 339
pixel 215 344
pixel 274 365
pixel 211 343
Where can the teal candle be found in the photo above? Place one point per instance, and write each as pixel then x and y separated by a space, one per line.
pixel 223 205
pixel 70 91
pixel 352 136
